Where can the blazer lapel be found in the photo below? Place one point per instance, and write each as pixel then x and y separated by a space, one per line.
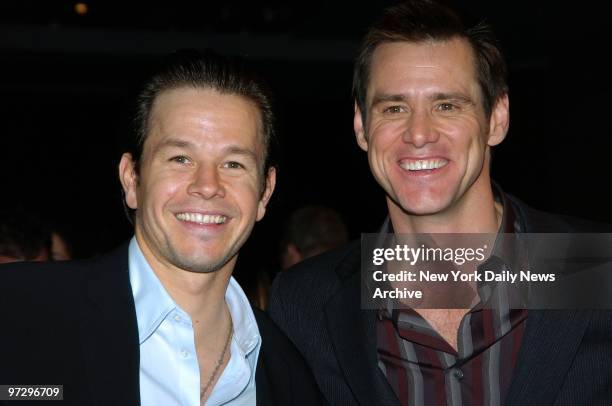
pixel 110 333
pixel 550 342
pixel 353 335
pixel 262 383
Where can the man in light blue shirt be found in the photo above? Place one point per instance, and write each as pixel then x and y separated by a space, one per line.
pixel 198 184
pixel 161 321
pixel 169 371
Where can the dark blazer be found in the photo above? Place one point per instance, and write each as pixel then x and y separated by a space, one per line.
pixel 565 356
pixel 74 323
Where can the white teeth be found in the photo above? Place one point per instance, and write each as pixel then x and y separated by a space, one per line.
pixel 423 164
pixel 201 218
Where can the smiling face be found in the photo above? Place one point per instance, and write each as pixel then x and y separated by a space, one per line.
pixel 199 189
pixel 427 135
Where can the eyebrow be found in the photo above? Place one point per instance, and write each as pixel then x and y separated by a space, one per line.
pixel 235 150
pixel 176 143
pixel 230 150
pixel 459 97
pixel 384 98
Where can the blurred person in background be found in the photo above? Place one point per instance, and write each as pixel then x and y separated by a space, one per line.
pixel 23 237
pixel 309 231
pixel 60 250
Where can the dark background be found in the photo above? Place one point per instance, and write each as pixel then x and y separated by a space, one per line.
pixel 68 82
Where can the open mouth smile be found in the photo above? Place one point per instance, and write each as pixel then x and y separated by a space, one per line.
pixel 417 165
pixel 200 218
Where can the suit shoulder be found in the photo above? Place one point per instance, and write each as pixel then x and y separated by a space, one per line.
pixel 59 281
pixel 537 221
pixel 300 294
pixel 271 335
pixel 39 273
pixel 42 290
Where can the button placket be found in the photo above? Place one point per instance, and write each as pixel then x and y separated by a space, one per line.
pixel 458 373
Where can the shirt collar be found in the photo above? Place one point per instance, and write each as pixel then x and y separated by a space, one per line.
pixel 246 332
pixel 505 248
pixel 510 222
pixel 153 303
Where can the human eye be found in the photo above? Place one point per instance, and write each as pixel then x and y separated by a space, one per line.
pixel 180 159
pixel 395 109
pixel 233 165
pixel 447 107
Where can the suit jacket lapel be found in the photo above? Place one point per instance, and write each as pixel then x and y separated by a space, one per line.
pixel 110 333
pixel 550 342
pixel 263 386
pixel 262 383
pixel 353 335
pixel 265 390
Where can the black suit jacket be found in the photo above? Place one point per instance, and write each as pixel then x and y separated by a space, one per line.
pixel 74 324
pixel 565 356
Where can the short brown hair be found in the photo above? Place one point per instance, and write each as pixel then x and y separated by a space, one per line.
pixel 426 20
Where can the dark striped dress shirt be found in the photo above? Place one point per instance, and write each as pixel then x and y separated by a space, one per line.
pixel 424 370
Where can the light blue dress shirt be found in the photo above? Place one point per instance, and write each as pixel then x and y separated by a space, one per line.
pixel 169 371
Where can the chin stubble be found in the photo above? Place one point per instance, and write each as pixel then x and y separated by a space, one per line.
pixel 194 266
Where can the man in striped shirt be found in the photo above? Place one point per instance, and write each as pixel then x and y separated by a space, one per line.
pixel 431 100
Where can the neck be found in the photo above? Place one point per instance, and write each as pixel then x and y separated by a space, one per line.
pixel 201 295
pixel 476 212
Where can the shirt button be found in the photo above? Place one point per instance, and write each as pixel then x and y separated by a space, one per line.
pixel 177 317
pixel 184 353
pixel 457 373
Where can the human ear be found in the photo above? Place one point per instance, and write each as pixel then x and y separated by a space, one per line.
pixel 499 122
pixel 129 180
pixel 267 193
pixel 358 126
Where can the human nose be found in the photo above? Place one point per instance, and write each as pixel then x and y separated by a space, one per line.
pixel 420 129
pixel 206 182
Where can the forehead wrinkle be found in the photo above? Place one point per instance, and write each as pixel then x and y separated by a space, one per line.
pixel 426 66
pixel 423 56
